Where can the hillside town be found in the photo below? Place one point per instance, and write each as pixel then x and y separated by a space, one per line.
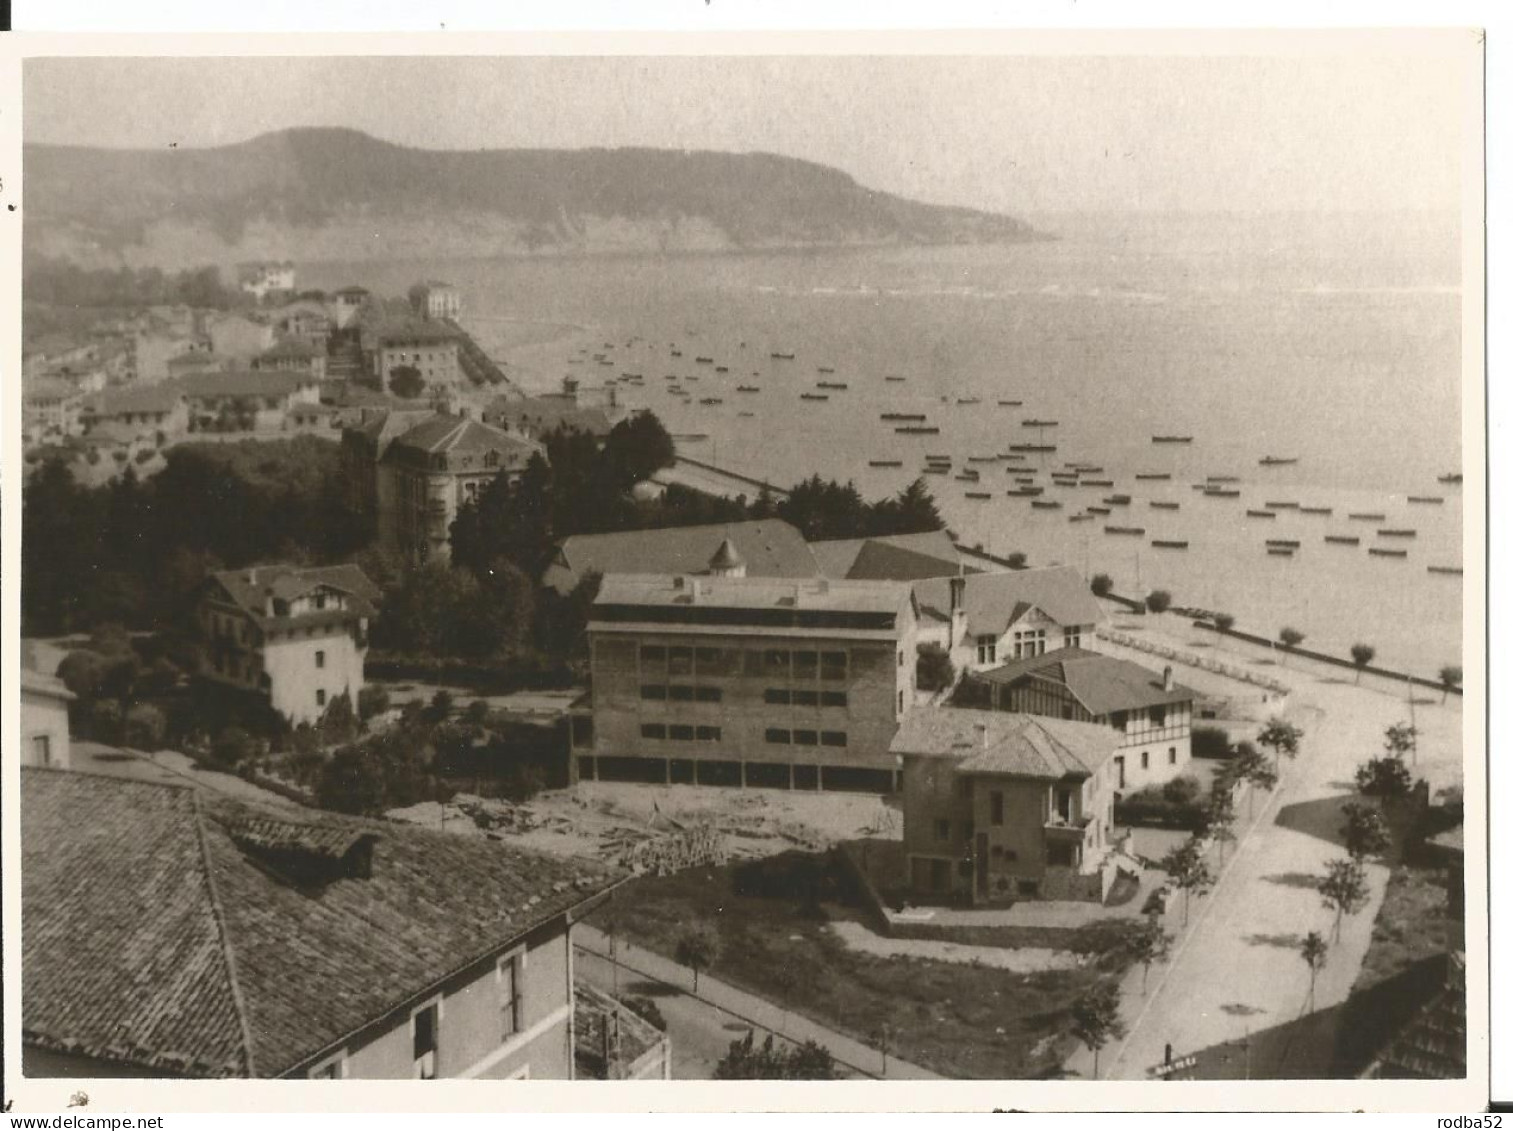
pixel 328 625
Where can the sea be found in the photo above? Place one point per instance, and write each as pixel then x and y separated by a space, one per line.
pixel 1330 342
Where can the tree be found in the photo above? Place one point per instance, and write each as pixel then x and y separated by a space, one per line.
pixel 1096 1020
pixel 1281 736
pixel 1158 601
pixel 1401 739
pixel 145 726
pixel 914 511
pixel 1253 767
pixel 1315 952
pixel 697 948
pixel 372 700
pixel 1224 621
pixel 1343 889
pixel 1365 831
pixel 1450 677
pixel 232 746
pixel 1290 638
pixel 1102 585
pixel 405 381
pixel 1188 871
pixel 1361 655
pixel 1018 560
pixel 1147 942
pixel 1219 818
pixel 933 670
pixel 1387 777
pixel 746 1060
pixel 636 449
pixel 440 707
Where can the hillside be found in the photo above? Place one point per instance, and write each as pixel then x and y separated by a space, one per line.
pixel 341 194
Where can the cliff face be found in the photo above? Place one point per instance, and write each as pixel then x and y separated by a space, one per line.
pixel 340 194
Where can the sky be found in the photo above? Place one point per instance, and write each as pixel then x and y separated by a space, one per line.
pixel 1020 134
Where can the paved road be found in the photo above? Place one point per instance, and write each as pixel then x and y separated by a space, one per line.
pixel 720 1013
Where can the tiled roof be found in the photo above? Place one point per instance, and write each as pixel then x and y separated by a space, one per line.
pixel 39 683
pixel 997 742
pixel 293 348
pixel 244 383
pixel 545 414
pixel 1100 683
pixel 444 433
pixel 654 590
pixel 399 331
pixel 248 588
pixel 152 936
pixel 769 547
pixel 1433 1046
pixel 117 402
pixel 888 554
pixel 994 601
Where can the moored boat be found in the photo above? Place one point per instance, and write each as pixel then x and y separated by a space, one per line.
pixel 1046 504
pixel 782 357
pixel 1293 542
pixel 1453 477
pixel 1456 570
pixel 1315 510
pixel 1278 461
pixel 1156 476
pixel 885 463
pixel 813 397
pixel 979 494
pixel 1169 544
pixel 1342 539
pixel 917 430
pixel 1390 533
pixel 902 416
pixel 1367 516
pixel 1158 504
pixel 1123 529
pixel 1380 552
pixel 1171 439
pixel 1426 498
pixel 1260 514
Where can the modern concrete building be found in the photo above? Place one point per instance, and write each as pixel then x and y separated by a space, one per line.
pixel 1151 713
pixel 295 636
pixel 44 720
pixel 168 932
pixel 731 680
pixel 1000 807
pixel 983 619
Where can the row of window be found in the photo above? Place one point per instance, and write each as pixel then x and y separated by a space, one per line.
pixel 681 693
pixel 781 736
pixel 1119 720
pixel 772 662
pixel 798 697
pixel 678 732
pixel 1028 643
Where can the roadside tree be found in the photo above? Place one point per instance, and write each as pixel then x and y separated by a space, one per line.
pixel 1096 1020
pixel 697 948
pixel 1343 890
pixel 1315 952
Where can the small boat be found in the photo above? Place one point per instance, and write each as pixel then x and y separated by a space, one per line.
pixel 606 361
pixel 1011 404
pixel 1086 468
pixel 892 378
pixel 1032 447
pixel 1221 493
pixel 1277 461
pixel 745 414
pixel 1171 439
pixel 1367 516
pixel 722 369
pixel 1379 552
pixel 825 369
pixel 969 400
pixel 704 360
pixel 710 400
pixel 1279 551
pixel 979 494
pixel 1397 533
pixel 902 416
pixel 813 397
pixel 1223 479
pixel 1283 506
pixel 968 476
pixel 1426 498
pixel 937 458
pixel 1315 510
pixel 1453 477
pixel 1040 423
pixel 1455 570
pixel 1046 505
pixel 1124 530
pixel 831 385
pixel 1099 510
pixel 782 357
pixel 1153 475
pixel 1261 514
pixel 1157 504
pixel 1294 543
pixel 748 388
pixel 1079 518
pixel 982 459
pixel 1013 456
pixel 885 463
pixel 677 353
pixel 1096 482
pixel 1168 544
pixel 917 430
pixel 1342 539
pixel 1025 492
pixel 1117 500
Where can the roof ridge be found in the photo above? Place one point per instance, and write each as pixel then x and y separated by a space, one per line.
pixel 223 934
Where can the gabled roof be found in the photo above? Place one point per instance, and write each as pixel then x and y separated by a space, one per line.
pixel 994 601
pixel 1102 684
pixel 998 742
pixel 249 588
pixel 401 330
pixel 245 383
pixel 291 348
pixel 770 547
pixel 652 591
pixel 891 557
pixel 117 402
pixel 155 935
pixel 445 433
pixel 546 414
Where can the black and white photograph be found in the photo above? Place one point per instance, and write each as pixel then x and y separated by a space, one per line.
pixel 910 562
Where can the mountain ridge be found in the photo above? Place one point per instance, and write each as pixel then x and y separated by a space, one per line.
pixel 336 192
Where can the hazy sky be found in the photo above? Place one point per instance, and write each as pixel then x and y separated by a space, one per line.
pixel 1027 134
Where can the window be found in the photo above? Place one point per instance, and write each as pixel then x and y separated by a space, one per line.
pixel 707 734
pixel 1145 759
pixel 1074 636
pixel 680 733
pixel 425 1026
pixel 995 807
pixel 680 693
pixel 653 730
pixel 806 665
pixel 833 665
pixel 1158 716
pixel 680 661
pixel 508 976
pixel 942 829
pixel 900 702
pixel 333 1069
pixel 707 694
pixel 987 650
pixel 653 654
pixel 42 748
pixel 320 659
pixel 1119 719
pixel 779 736
pixel 1029 642
pixel 320 697
pixel 832 738
pixel 708 659
pixel 806 738
pixel 832 698
pixel 900 659
pixel 320 600
pixel 1171 755
pixel 777 695
pixel 806 698
pixel 776 662
pixel 653 691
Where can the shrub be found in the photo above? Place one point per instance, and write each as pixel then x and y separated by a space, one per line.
pixel 1211 742
pixel 144 455
pixel 1386 777
pixel 372 701
pixel 1181 791
pixel 232 746
pixel 646 1009
pixel 1152 807
pixel 1158 601
pixel 145 727
pixel 1102 585
pixel 1017 560
pixel 933 670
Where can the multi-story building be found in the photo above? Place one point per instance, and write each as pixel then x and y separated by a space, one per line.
pixel 246 400
pixel 140 411
pixel 436 300
pixel 263 279
pixel 1150 712
pixel 537 416
pixel 346 303
pixel 412 472
pixel 236 336
pixel 429 348
pixel 172 933
pixel 50 407
pixel 747 681
pixel 152 349
pixel 983 619
pixel 304 320
pixel 294 636
pixel 293 355
pixel 44 720
pixel 1000 807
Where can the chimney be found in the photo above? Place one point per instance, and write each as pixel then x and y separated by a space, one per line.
pixel 252 576
pixel 982 734
pixel 1166 678
pixel 695 590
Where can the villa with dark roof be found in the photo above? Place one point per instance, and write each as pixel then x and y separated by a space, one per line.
pixel 983 619
pixel 172 933
pixel 1001 807
pixel 295 636
pixel 1150 712
pixel 893 557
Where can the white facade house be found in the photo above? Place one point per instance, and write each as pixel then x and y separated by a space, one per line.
pixel 985 619
pixel 44 720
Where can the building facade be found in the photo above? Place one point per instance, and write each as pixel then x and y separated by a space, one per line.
pixel 263 279
pixel 742 681
pixel 1001 807
pixel 984 619
pixel 139 412
pixel 427 348
pixel 1151 713
pixel 295 637
pixel 421 954
pixel 237 336
pixel 293 355
pixel 435 300
pixel 44 720
pixel 256 400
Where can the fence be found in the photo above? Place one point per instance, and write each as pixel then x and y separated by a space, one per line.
pixel 1326 658
pixel 1218 667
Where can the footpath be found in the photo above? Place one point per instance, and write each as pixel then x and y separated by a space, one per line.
pixel 756 1012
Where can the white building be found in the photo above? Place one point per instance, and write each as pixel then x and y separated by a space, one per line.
pixel 436 300
pixel 263 279
pixel 985 619
pixel 44 720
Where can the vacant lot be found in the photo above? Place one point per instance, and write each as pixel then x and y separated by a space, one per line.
pixel 960 1020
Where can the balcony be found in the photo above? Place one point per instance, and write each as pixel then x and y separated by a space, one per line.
pixel 1060 829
